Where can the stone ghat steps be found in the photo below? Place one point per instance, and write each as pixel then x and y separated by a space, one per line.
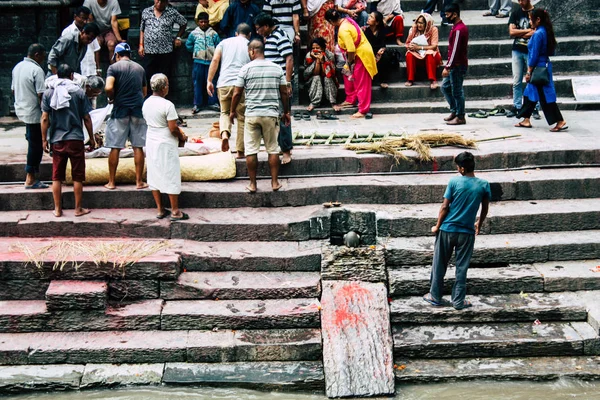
pixel 298 223
pixel 530 184
pixel 512 339
pixel 237 285
pixel 476 87
pixel 505 368
pixel 261 375
pixel 417 6
pixel 160 346
pixel 557 276
pixel 151 315
pixel 324 160
pixel 505 248
pixel 524 307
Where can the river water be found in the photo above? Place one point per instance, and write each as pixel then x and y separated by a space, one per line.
pixel 561 389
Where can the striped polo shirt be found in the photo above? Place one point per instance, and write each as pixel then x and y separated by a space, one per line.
pixel 283 10
pixel 278 47
pixel 261 80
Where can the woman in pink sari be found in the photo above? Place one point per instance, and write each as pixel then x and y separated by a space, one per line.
pixel 314 12
pixel 360 66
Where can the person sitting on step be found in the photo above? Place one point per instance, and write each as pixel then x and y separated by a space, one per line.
pixel 422 44
pixel 319 73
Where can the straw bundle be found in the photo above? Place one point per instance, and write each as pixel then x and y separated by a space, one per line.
pixel 74 253
pixel 421 143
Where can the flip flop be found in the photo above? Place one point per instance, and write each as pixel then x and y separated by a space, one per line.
pixel 183 217
pixel 250 190
pixel 37 185
pixel 164 215
pixel 479 114
pixel 520 125
pixel 497 112
pixel 320 115
pixel 562 128
pixel 466 304
pixel 297 115
pixel 306 116
pixel 431 301
pixel 369 115
pixel 328 115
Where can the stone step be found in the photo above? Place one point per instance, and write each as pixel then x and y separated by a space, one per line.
pixel 530 184
pixel 557 276
pixel 506 248
pixel 417 6
pixel 559 306
pixel 240 314
pixel 475 89
pixel 76 295
pixel 240 285
pixel 514 339
pixel 34 316
pixel 251 256
pixel 503 217
pixel 505 368
pixel 160 346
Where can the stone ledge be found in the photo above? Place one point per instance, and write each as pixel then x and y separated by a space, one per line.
pixel 109 375
pixel 76 295
pixel 40 377
pixel 360 263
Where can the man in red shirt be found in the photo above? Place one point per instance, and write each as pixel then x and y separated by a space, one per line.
pixel 456 67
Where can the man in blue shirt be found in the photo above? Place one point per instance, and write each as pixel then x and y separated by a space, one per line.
pixel 456 228
pixel 239 12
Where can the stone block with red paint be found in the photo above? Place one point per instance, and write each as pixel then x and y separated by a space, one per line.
pixel 76 295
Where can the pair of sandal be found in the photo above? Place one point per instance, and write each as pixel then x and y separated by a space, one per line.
pixel 466 303
pixel 305 115
pixel 166 213
pixel 326 115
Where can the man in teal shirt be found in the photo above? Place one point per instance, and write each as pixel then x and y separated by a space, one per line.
pixel 456 228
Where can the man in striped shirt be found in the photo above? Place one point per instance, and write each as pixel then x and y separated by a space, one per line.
pixel 456 67
pixel 287 13
pixel 264 83
pixel 278 49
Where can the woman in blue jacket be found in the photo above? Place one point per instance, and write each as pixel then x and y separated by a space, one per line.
pixel 541 45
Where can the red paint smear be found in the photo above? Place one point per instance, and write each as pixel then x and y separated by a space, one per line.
pixel 343 316
pixel 436 167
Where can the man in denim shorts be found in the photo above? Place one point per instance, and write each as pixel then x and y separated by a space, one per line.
pixel 126 89
pixel 63 109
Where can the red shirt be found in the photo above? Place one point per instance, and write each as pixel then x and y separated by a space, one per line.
pixel 457 45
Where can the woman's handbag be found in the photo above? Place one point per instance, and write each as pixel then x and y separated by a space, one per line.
pixel 540 76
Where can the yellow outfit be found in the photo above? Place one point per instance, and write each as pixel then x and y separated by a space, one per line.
pixel 347 36
pixel 216 10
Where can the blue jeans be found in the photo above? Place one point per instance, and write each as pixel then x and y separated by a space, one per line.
pixel 452 89
pixel 200 76
pixel 445 244
pixel 519 65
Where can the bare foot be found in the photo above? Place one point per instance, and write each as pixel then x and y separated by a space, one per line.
pixel 251 188
pixel 310 108
pixel 357 115
pixel 82 211
pixel 384 85
pixel 224 143
pixel 110 186
pixel 287 158
pixel 433 85
pixel 240 154
pixel 142 185
pixel 276 187
pixel 57 213
pixel 408 83
pixel 337 108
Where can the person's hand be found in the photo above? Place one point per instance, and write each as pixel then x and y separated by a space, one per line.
pixel 445 73
pixel 289 89
pixel 297 38
pixel 141 51
pixel 381 51
pixel 527 77
pixel 232 116
pixel 210 88
pixel 434 229
pixel 286 119
pixel 177 43
pixel 319 56
pixel 92 146
pixel 353 13
pixel 306 15
pixel 184 137
pixel 45 146
pixel 412 47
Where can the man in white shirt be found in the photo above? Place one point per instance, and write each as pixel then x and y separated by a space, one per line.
pixel 232 53
pixel 28 87
pixel 90 65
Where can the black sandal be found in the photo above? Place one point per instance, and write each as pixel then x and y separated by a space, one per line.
pixel 306 116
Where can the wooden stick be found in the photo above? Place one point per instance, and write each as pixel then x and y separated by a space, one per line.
pixel 497 138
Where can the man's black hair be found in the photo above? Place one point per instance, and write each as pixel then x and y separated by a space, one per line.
pixel 257 45
pixel 453 8
pixel 91 28
pixel 202 16
pixel 244 29
pixel 465 160
pixel 64 71
pixel 263 19
pixel 82 10
pixel 35 49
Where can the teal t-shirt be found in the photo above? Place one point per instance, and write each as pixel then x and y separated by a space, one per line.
pixel 465 195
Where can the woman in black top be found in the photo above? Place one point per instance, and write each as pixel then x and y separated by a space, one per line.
pixel 375 32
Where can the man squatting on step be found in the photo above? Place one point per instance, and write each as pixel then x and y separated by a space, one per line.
pixel 456 229
pixel 64 107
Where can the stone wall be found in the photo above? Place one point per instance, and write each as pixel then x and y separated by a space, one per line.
pixel 580 16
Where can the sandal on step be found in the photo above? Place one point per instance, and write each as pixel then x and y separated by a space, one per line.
pixel 465 304
pixel 297 115
pixel 183 217
pixel 431 301
pixel 306 116
pixel 165 214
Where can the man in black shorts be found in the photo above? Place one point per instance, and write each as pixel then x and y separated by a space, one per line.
pixel 63 109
